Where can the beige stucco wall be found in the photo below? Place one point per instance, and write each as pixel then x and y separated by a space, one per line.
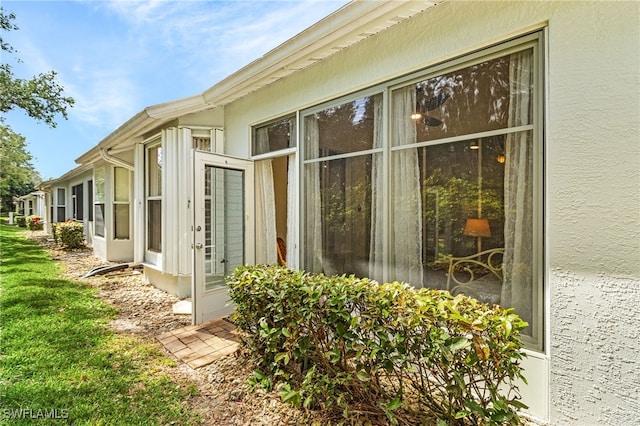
pixel 210 118
pixel 592 172
pixel 594 213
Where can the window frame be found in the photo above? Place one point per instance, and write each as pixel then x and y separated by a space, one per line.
pixel 152 255
pixel 61 204
pixel 535 41
pixel 77 201
pixel 119 203
pixel 99 227
pixel 90 201
pixel 293 134
pixel 378 90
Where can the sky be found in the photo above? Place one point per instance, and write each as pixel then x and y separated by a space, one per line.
pixel 116 57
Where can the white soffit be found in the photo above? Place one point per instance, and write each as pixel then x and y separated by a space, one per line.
pixel 345 27
pixel 144 121
pixel 71 174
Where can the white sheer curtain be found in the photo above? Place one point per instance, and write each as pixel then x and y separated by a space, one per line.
pixel 376 259
pixel 292 213
pixel 517 290
pixel 405 245
pixel 313 219
pixel 266 251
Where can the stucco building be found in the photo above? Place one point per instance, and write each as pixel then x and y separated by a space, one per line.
pixel 391 137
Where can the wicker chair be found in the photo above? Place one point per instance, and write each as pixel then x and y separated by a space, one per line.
pixel 282 252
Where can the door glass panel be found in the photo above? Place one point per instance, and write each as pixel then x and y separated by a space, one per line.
pixel 224 226
pixel 154 226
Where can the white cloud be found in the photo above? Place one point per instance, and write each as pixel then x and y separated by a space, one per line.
pixel 189 45
pixel 104 98
pixel 114 57
pixel 215 38
pixel 33 60
pixel 104 91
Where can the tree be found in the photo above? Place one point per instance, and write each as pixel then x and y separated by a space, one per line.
pixel 17 175
pixel 41 97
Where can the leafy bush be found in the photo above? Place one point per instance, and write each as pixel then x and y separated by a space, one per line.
pixel 35 223
pixel 355 345
pixel 21 221
pixel 70 234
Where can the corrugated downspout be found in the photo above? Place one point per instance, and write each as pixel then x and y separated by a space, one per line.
pixel 114 160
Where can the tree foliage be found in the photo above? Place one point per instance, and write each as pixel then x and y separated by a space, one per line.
pixel 17 175
pixel 41 96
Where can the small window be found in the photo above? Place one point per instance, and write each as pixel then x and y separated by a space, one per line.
pixel 154 197
pixel 98 178
pixel 61 205
pixel 274 136
pixel 90 193
pixel 121 203
pixel 201 144
pixel 99 223
pixel 77 195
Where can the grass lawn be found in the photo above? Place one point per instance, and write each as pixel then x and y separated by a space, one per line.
pixel 59 359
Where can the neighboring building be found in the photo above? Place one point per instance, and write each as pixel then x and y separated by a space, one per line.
pixel 392 136
pixel 31 204
pixel 70 197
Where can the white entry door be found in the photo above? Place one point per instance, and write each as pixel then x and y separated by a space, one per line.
pixel 223 230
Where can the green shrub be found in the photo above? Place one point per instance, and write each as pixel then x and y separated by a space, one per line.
pixel 21 221
pixel 70 234
pixel 388 349
pixel 35 223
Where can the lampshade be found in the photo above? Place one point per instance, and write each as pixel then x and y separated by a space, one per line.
pixel 477 228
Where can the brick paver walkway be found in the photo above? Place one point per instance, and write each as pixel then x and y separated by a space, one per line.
pixel 200 345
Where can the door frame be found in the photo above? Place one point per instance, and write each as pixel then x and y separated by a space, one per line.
pixel 217 299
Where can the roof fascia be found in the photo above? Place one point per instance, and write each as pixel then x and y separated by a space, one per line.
pixel 69 175
pixel 345 27
pixel 144 121
pixel 31 194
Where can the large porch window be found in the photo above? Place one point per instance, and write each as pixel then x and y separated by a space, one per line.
pixel 342 154
pixel 442 189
